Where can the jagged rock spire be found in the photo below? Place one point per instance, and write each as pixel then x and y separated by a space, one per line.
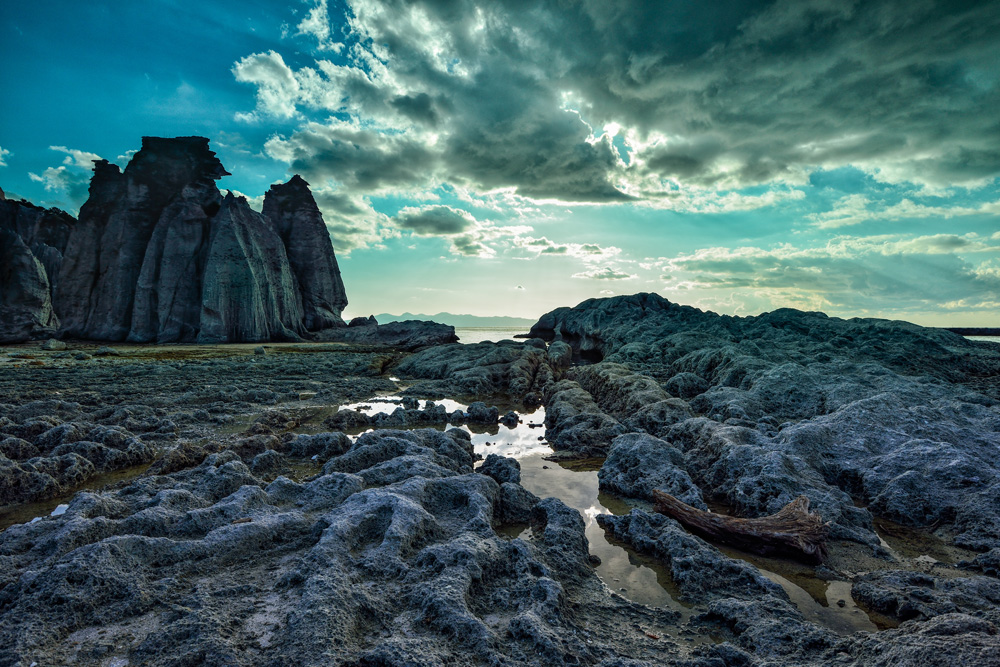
pixel 160 255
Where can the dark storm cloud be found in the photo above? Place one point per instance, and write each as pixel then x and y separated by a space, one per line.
pixel 435 220
pixel 357 159
pixel 797 84
pixel 418 107
pixel 514 94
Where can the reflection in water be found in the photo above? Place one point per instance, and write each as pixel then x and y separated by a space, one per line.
pixel 824 602
pixel 387 404
pixel 624 571
pixel 36 511
pixel 635 576
pixel 830 614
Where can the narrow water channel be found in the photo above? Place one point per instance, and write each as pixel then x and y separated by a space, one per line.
pixel 638 577
pixel 626 572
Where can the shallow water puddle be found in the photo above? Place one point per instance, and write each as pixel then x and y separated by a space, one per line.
pixel 388 404
pixel 638 577
pixel 825 603
pixel 624 571
pixel 31 512
pixel 917 544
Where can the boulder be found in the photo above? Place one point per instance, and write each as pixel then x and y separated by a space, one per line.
pixel 502 469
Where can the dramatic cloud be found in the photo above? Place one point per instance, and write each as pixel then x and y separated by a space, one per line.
pixel 77 158
pixel 468 236
pixel 695 96
pixel 852 275
pixel 70 180
pixel 435 220
pixel 3 155
pixel 606 273
pixel 351 156
pixel 277 88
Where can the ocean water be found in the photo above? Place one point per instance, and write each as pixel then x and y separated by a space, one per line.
pixel 991 339
pixel 479 334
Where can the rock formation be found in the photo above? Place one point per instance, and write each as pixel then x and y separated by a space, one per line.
pixel 293 212
pixel 160 255
pixel 32 243
pixel 409 335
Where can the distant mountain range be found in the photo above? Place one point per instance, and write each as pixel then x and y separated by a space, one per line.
pixel 461 320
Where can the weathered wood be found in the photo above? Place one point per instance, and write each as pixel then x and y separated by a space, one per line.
pixel 793 532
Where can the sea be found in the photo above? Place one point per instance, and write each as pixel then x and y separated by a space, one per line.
pixel 480 334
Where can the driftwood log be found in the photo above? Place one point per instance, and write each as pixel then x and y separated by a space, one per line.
pixel 793 532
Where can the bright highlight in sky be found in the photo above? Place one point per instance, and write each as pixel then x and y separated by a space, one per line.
pixel 508 158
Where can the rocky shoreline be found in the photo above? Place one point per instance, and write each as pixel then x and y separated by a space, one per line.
pixel 269 512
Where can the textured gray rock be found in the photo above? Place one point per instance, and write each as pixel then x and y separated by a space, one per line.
pixel 897 418
pixel 481 369
pixel 408 335
pixel 32 242
pixel 159 255
pixel 311 569
pixel 700 570
pixel 292 211
pixel 25 301
pixel 501 468
pixel 638 463
pixel 911 595
pixel 53 345
pixel 42 460
pixel 397 553
pixel 44 231
pixel 575 422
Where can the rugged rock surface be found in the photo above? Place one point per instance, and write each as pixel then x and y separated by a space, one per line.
pixel 159 255
pixel 888 415
pixel 390 556
pixel 912 595
pixel 638 463
pixel 519 370
pixel 32 243
pixel 408 335
pixel 292 211
pixel 260 538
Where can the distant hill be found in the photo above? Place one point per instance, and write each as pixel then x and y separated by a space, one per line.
pixel 461 320
pixel 975 331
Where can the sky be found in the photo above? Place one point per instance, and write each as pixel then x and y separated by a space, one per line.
pixel 513 156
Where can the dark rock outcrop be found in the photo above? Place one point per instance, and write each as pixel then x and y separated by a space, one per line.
pixel 409 335
pixel 480 369
pixel 160 255
pixel 293 212
pixel 32 243
pixel 899 418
